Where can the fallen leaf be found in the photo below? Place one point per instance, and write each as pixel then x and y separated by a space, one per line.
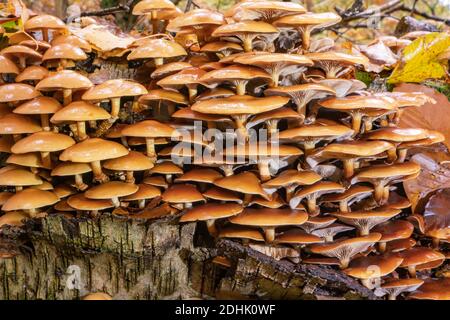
pixel 437 214
pixel 103 39
pixel 380 56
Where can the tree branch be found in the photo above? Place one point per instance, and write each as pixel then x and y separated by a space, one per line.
pixel 126 8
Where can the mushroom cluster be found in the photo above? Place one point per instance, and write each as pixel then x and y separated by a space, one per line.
pixel 265 137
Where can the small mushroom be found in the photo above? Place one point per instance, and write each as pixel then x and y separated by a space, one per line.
pixel 393 230
pixel 22 54
pixel 65 54
pixel 77 170
pixel 189 77
pixel 42 106
pixel 158 50
pixel 145 192
pixel 329 232
pixel 432 289
pixel 30 200
pixel 168 169
pixel 45 24
pixel 395 287
pixel 245 182
pixel 353 194
pixel 297 238
pixel 133 161
pixel 18 178
pixel 417 256
pixel 183 195
pixel 112 190
pixel 243 233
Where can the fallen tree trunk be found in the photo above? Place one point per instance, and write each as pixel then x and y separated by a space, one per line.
pixel 61 258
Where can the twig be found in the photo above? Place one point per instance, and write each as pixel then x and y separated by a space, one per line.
pixel 424 14
pixel 107 11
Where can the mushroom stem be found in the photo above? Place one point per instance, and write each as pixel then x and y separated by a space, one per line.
pixel 247 198
pixel 356 122
pixel 22 62
pixel 412 271
pixel 402 153
pixel 329 238
pixel 436 242
pixel 364 230
pixel 368 125
pixel 392 296
pixel 129 177
pixel 98 173
pixel 247 42
pixel 79 184
pixel 241 130
pixel 115 202
pixel 115 107
pixel 290 189
pixel 382 246
pixel 240 87
pixel 369 283
pixel 154 18
pixel 151 153
pixel 349 167
pixel 141 204
pixel 392 155
pixel 81 130
pixel 343 262
pixel 264 171
pixel 397 116
pixel 169 178
pixel 343 206
pixel 227 169
pixel 158 62
pixel 308 146
pixel 192 90
pixel 306 37
pixel 379 191
pixel 269 233
pixel 44 34
pixel 211 225
pixel 19 188
pixel 32 212
pixel 67 96
pixel 44 122
pixel 46 159
pixel 311 203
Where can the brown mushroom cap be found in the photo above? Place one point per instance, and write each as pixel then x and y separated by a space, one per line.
pixel 297 236
pixel 366 220
pixel 157 48
pixel 182 193
pixel 245 182
pixel 373 266
pixel 166 167
pixel 32 160
pixel 318 131
pixel 389 172
pixel 97 296
pixel 70 168
pixel 64 51
pixel 196 18
pixel 220 194
pixel 239 232
pixel 181 78
pixel 7 66
pixel 264 10
pixel 149 129
pixel 145 192
pixel 232 73
pixel 15 51
pixel 398 134
pixel 433 289
pixel 244 27
pixel 13 218
pixel 93 149
pixel 44 21
pixel 169 68
pixel 80 202
pixel 133 161
pixel 236 105
pixel 212 211
pixel 394 286
pixel 314 223
pixel 163 95
pixel 111 189
pixel 80 111
pixel 145 7
pixel 29 199
pixel 72 40
pixel 200 175
pixel 284 113
pixel 393 230
pixel 274 202
pixel 188 113
pixel 317 189
pixel 315 20
pixel 19 177
pixel 43 142
pixel 267 217
pixel 271 61
pixel 355 193
pixel 4 195
pixel 419 255
pixel 39 105
pixel 219 46
pixel 114 88
pixel 64 79
pixel 157 181
pixel 359 102
pixel 18 124
pixel 292 176
pixel 15 92
pixel 355 149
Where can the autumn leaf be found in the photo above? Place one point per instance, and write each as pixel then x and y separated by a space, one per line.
pixel 420 59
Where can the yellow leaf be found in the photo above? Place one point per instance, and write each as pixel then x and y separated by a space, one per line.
pixel 420 59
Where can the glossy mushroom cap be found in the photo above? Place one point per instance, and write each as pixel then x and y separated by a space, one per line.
pixel 245 182
pixel 80 202
pixel 39 105
pixel 79 111
pixel 19 177
pixel 15 92
pixel 147 6
pixel 157 48
pixel 64 51
pixel 43 142
pixel 197 17
pixel 94 149
pixel 182 193
pixel 29 199
pixel 211 211
pixel 266 217
pixel 114 89
pixel 200 175
pixel 239 232
pixel 163 95
pixel 133 161
pixel 18 124
pixel 64 79
pixel 264 10
pixel 44 22
pixel 7 66
pixel 433 289
pixel 111 189
pixel 244 27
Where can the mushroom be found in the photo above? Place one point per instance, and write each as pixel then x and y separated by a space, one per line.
pixel 371 269
pixel 198 19
pixel 432 289
pixel 42 106
pixel 144 193
pixel 345 249
pixel 245 182
pixel 312 192
pixel 290 179
pixel 274 202
pixel 366 220
pixel 201 176
pixel 243 233
pixel 221 48
pixel 210 212
pixel 182 194
pixel 77 170
pixel 13 218
pixel 111 190
pixel 166 168
pixel 151 8
pixel 80 112
pixel 211 119
pixel 17 125
pixel 336 64
pixel 247 31
pixel 81 203
pixel 353 194
pixel 45 24
pixel 65 54
pixel 133 161
pixel 189 77
pixel 400 245
pixel 22 54
pixel 268 219
pixel 30 200
pixel 329 232
pixel 264 10
pixel 97 296
pixel 158 50
pixel 18 178
pixel 7 67
pixel 168 69
pixel 93 151
pixel 222 195
pixel 66 81
pixel 238 75
pixel 16 93
pixel 306 23
pixel 297 238
pixel 393 230
pixel 415 257
pixel 380 176
pixel 170 98
pixel 240 108
pixel 273 117
pixel 314 223
pixel 45 143
pixel 72 40
pixel 394 287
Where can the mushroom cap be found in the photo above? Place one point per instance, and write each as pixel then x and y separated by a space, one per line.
pixel 188 113
pixel 262 151
pixel 93 149
pixel 163 95
pixel 7 66
pixel 72 40
pixel 433 138
pixel 97 296
pixel 70 168
pixel 181 78
pixel 276 114
pixel 239 232
pixel 44 21
pixel 5 196
pixel 196 18
pixel 30 199
pixel 433 289
pixel 373 266
pixel 359 102
pixel 169 68
pixel 366 218
pixel 299 90
pixel 402 284
pixel 111 189
pixel 80 202
pixel 274 202
pixel 264 10
pixel 339 57
pixel 297 236
pixel 149 129
pixel 166 167
pixel 398 134
pixel 39 105
pixel 5 144
pixel 64 79
pixel 245 182
pixel 419 255
pixel 319 131
pixel 14 218
pixel 211 211
pixel 393 230
pixel 157 48
pixel 43 141
pixel 319 188
pixel 19 177
pixel 145 191
pixel 355 149
pixel 205 175
pixel 400 245
pixel 244 27
pixel 267 217
pixel 80 111
pixel 343 87
pixel 182 193
pixel 64 51
pixel 233 73
pixel 356 191
pixel 356 245
pixel 18 124
pixel 43 186
pixel 157 181
pixel 218 46
pixel 34 44
pixel 236 105
pixel 145 7
pixel 270 59
pixel 220 194
pixel 292 176
pixel 133 161
pixel 24 51
pixel 394 171
pixel 114 88
pixel 313 20
pixel 32 160
pixel 314 223
pixel 13 92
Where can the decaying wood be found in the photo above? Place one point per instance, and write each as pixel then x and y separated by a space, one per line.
pixel 150 259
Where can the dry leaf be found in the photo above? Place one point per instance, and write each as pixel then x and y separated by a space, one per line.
pixel 437 214
pixel 429 116
pixel 102 39
pixel 380 56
